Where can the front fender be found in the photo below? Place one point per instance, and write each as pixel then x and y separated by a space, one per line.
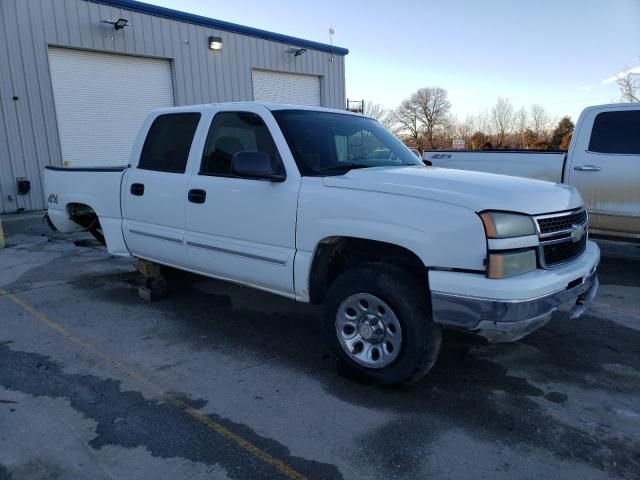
pixel 442 235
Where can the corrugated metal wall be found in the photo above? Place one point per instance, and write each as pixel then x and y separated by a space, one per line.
pixel 28 132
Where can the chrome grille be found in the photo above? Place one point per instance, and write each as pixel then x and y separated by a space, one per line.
pixel 559 253
pixel 563 237
pixel 553 224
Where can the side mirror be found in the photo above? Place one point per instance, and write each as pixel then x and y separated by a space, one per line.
pixel 255 165
pixel 428 163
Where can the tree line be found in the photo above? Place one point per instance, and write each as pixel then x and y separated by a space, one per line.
pixel 424 121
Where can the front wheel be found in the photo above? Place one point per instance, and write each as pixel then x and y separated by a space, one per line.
pixel 377 319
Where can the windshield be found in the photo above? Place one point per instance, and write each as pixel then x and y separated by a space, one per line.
pixel 325 143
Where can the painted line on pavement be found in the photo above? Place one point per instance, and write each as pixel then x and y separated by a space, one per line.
pixel 238 440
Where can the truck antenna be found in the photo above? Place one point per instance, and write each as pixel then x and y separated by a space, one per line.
pixel 331 34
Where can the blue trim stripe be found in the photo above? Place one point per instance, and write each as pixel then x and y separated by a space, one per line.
pixel 221 25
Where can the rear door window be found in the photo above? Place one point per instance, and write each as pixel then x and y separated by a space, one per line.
pixel 166 148
pixel 616 132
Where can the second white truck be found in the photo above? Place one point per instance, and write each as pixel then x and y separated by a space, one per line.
pixel 603 163
pixel 324 206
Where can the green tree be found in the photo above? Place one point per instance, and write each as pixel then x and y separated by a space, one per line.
pixel 565 125
pixel 566 140
pixel 478 141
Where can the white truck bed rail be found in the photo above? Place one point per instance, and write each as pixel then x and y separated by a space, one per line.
pixel 538 164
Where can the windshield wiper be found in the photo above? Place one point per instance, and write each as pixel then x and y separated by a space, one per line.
pixel 344 167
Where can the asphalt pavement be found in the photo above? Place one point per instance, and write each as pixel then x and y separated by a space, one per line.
pixel 222 381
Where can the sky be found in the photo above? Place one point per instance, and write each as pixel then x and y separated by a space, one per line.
pixel 562 54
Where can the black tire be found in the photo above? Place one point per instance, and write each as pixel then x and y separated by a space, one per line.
pixel 409 300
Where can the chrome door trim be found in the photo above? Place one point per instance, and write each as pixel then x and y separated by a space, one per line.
pixel 252 256
pixel 153 235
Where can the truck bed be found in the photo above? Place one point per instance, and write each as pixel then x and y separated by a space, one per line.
pixel 537 164
pixel 86 190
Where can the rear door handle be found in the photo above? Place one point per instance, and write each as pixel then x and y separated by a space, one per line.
pixel 137 189
pixel 587 168
pixel 197 196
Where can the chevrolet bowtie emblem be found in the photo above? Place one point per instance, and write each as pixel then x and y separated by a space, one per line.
pixel 577 232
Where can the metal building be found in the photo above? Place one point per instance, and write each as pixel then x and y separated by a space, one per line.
pixel 77 78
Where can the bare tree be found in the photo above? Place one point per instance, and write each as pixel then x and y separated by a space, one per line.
pixel 433 107
pixel 629 87
pixel 529 139
pixel 483 122
pixel 539 120
pixel 446 133
pixel 407 116
pixel 466 128
pixel 521 123
pixel 379 113
pixel 459 129
pixel 502 119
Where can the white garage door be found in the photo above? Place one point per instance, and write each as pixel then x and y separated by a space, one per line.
pixel 101 101
pixel 280 87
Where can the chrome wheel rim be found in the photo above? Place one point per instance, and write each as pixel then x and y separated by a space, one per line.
pixel 368 330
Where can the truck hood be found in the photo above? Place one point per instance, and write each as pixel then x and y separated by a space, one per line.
pixel 474 190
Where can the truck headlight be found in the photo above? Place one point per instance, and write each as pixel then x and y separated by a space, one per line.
pixel 506 225
pixel 508 264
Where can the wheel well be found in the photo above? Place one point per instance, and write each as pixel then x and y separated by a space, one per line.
pixel 335 255
pixel 83 215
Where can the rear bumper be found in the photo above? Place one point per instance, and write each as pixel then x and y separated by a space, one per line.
pixel 502 318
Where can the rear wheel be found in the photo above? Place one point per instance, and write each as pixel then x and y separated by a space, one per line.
pixel 377 320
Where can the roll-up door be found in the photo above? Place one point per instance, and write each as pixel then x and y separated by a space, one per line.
pixel 101 101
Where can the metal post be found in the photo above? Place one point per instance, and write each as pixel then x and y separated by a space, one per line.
pixel 2 242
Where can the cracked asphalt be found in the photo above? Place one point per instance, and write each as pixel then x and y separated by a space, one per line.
pixel 221 381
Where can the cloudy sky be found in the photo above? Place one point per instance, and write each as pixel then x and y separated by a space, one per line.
pixel 563 54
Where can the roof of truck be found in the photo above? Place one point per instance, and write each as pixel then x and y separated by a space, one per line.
pixel 617 106
pixel 289 106
pixel 268 105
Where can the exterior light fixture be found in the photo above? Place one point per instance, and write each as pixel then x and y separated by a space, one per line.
pixel 296 52
pixel 118 24
pixel 215 43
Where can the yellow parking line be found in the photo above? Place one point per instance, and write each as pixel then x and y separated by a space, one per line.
pixel 241 442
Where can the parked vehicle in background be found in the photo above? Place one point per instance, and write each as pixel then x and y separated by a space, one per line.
pixel 416 152
pixel 603 163
pixel 325 206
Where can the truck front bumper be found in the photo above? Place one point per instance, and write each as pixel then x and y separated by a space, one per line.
pixel 508 309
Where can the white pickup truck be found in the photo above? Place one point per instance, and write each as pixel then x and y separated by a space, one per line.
pixel 603 163
pixel 300 202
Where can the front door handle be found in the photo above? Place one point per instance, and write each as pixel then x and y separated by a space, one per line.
pixel 137 189
pixel 197 196
pixel 587 168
